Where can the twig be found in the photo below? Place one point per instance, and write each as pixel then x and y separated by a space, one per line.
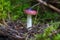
pixel 35 5
pixel 4 22
pixel 49 5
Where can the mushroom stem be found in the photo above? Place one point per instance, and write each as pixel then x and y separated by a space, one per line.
pixel 29 21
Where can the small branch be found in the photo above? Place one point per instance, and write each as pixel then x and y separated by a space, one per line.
pixel 4 22
pixel 35 5
pixel 49 5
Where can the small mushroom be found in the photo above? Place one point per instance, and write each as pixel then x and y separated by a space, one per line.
pixel 29 13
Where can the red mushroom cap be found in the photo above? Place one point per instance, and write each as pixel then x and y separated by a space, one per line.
pixel 30 12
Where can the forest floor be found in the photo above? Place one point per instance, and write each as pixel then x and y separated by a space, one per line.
pixel 18 31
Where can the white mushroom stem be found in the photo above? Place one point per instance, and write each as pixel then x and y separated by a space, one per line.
pixel 29 21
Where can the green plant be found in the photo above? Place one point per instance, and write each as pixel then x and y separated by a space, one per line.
pixel 16 7
pixel 56 37
pixel 48 32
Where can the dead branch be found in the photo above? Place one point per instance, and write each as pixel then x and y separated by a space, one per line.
pixel 49 5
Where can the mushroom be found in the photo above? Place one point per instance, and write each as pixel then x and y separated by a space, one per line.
pixel 29 13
